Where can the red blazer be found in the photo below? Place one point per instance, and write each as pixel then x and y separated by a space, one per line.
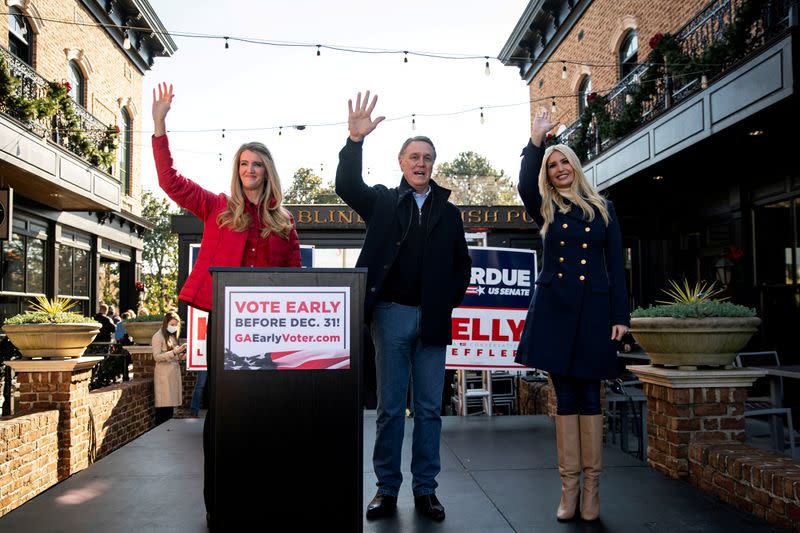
pixel 220 246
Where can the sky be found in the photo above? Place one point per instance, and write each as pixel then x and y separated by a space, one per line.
pixel 258 87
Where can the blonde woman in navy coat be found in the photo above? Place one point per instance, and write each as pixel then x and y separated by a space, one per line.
pixel 578 310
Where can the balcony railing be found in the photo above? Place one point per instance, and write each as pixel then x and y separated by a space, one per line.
pixel 33 86
pixel 707 28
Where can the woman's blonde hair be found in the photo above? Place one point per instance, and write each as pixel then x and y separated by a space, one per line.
pixel 584 195
pixel 274 217
pixel 171 338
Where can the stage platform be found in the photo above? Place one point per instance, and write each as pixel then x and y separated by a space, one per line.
pixel 498 476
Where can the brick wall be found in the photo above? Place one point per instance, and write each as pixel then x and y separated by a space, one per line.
pixel 604 25
pixel 677 417
pixel 536 398
pixel 28 457
pixel 77 428
pixel 112 79
pixel 119 414
pixel 755 481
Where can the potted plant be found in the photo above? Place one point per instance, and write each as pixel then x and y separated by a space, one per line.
pixel 50 329
pixel 142 328
pixel 694 328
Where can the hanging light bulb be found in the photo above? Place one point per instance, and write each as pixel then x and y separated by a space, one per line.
pixel 553 108
pixel 126 42
pixel 482 119
pixel 226 43
pixel 563 70
pixel 318 52
pixel 405 58
pixel 413 122
pixel 486 70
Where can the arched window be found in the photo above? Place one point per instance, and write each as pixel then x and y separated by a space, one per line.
pixel 125 151
pixel 77 83
pixel 628 54
pixel 584 90
pixel 20 36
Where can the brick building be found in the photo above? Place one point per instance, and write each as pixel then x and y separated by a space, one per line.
pixel 702 175
pixel 75 224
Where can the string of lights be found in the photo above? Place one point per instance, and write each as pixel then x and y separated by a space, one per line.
pixel 481 110
pixel 318 47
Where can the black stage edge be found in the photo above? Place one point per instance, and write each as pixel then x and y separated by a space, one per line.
pixel 288 444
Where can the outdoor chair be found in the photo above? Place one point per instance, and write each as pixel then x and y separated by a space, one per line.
pixel 760 404
pixel 624 401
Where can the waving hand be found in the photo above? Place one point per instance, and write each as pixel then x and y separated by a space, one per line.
pixel 359 120
pixel 161 105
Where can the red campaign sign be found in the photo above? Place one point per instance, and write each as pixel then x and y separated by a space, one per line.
pixel 286 328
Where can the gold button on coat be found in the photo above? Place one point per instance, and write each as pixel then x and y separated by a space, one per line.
pixel 583 261
pixel 565 225
pixel 582 278
pixel 560 259
pixel 560 275
pixel 562 243
pixel 587 229
pixel 584 246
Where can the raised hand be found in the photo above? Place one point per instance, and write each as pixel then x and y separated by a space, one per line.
pixel 161 105
pixel 359 120
pixel 541 124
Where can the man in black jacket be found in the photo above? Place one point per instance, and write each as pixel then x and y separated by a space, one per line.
pixel 418 269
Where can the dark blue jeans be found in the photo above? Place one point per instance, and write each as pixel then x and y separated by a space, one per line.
pixel 399 353
pixel 576 396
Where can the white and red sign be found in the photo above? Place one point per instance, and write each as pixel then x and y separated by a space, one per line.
pixel 287 328
pixel 196 329
pixel 488 324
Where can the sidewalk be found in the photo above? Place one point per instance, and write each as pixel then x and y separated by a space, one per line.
pixel 498 476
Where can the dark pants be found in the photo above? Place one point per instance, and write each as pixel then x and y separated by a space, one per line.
pixel 208 426
pixel 576 396
pixel 163 414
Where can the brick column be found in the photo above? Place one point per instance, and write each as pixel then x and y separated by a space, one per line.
pixel 62 385
pixel 686 406
pixel 142 359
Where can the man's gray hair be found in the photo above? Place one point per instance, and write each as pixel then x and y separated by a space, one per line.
pixel 421 138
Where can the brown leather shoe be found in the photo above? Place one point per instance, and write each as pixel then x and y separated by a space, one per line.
pixel 381 505
pixel 429 506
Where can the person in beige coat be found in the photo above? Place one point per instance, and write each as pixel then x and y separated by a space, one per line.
pixel 167 353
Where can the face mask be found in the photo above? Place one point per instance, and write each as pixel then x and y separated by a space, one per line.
pixel 172 329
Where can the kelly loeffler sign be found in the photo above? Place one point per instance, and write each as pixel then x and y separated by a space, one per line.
pixel 6 208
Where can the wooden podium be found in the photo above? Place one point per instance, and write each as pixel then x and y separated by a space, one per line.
pixel 285 376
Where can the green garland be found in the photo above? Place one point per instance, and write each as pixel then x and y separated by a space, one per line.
pixel 667 60
pixel 57 105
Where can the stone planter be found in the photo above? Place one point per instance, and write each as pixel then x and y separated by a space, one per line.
pixel 52 340
pixel 693 342
pixel 142 332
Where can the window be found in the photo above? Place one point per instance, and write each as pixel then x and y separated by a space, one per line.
pixel 777 229
pixel 23 266
pixel 628 54
pixel 125 152
pixel 77 83
pixel 20 36
pixel 584 90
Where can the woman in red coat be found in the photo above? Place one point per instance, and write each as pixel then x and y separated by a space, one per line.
pixel 248 228
pixel 578 310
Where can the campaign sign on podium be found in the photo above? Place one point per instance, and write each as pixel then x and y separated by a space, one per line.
pixel 285 369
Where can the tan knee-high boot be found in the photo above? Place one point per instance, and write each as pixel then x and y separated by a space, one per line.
pixel 569 464
pixel 592 459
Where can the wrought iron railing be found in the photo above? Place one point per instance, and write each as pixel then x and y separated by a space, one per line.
pixel 33 86
pixel 707 27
